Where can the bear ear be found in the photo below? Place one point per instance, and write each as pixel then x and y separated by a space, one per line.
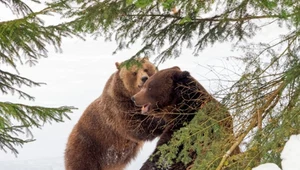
pixel 176 67
pixel 146 58
pixel 185 74
pixel 118 65
pixel 178 76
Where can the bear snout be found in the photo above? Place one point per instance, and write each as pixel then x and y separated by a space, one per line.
pixel 144 79
pixel 137 101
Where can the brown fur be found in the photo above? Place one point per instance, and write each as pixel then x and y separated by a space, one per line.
pixel 111 131
pixel 173 90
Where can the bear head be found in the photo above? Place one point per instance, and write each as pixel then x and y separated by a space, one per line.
pixel 171 90
pixel 134 73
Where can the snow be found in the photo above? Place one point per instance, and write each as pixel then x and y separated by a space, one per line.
pixel 34 164
pixel 267 166
pixel 290 156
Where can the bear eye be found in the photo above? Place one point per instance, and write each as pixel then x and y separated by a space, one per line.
pixel 149 88
pixel 146 70
pixel 134 73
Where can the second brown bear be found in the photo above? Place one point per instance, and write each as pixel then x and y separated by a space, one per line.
pixel 172 91
pixel 111 130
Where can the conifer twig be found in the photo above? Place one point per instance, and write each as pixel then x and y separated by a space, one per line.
pixel 252 124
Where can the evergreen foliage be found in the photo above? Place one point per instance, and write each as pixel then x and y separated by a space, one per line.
pixel 168 26
pixel 264 101
pixel 24 40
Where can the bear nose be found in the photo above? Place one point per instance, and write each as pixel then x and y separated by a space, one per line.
pixel 144 79
pixel 133 99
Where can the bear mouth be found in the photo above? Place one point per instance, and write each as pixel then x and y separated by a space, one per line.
pixel 140 85
pixel 146 108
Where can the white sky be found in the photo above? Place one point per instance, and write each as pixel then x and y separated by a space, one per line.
pixel 77 76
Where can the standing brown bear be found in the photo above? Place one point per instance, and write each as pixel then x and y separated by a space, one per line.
pixel 175 91
pixel 111 130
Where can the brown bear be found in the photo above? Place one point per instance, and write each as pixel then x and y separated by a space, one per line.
pixel 175 91
pixel 111 130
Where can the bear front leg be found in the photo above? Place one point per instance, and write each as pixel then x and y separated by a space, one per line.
pixel 143 127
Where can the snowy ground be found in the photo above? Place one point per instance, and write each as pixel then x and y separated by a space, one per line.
pixel 35 164
pixel 290 156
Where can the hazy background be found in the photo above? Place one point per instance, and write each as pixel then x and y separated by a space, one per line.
pixel 77 76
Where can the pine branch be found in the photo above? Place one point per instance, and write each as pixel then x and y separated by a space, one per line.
pixel 29 36
pixel 5 88
pixel 253 123
pixel 216 18
pixel 9 142
pixel 9 80
pixel 27 117
pixel 36 113
pixel 7 59
pixel 14 79
pixel 18 6
pixel 25 39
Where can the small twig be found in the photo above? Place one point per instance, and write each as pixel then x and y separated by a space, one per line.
pixel 252 124
pixel 189 167
pixel 259 120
